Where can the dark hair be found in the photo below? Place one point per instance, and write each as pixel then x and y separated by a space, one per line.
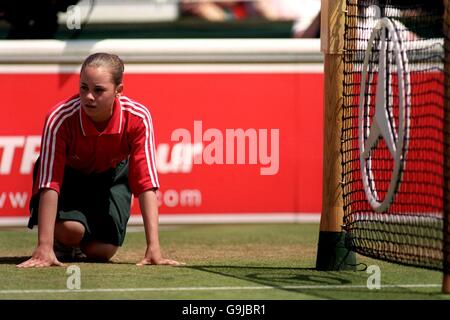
pixel 111 61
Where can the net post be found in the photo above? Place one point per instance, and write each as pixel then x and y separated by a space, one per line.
pixel 446 231
pixel 332 253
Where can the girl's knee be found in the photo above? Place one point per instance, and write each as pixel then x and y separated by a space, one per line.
pixel 98 251
pixel 69 233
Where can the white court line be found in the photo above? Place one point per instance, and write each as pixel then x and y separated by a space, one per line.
pixel 305 287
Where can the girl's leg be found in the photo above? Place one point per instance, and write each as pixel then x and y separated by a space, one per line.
pixel 69 233
pixel 99 251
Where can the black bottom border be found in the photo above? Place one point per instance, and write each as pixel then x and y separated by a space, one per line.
pixel 225 309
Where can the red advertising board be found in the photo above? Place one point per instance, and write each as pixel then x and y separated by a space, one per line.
pixel 227 143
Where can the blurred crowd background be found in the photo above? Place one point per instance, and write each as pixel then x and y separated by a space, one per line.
pixel 101 19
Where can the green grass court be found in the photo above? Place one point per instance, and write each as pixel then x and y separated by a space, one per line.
pixel 239 262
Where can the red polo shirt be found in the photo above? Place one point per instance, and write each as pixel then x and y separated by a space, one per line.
pixel 71 139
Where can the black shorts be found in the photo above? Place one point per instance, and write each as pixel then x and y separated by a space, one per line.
pixel 100 201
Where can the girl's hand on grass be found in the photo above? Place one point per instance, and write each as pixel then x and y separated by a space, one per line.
pixel 154 257
pixel 43 256
pixel 162 261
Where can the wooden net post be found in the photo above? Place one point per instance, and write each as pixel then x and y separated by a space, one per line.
pixel 332 253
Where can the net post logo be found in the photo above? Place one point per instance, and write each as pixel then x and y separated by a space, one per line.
pixel 392 79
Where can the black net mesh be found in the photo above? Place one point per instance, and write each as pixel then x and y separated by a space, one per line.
pixel 393 130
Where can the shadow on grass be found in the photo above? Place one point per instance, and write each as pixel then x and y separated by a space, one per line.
pixel 13 260
pixel 17 260
pixel 318 284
